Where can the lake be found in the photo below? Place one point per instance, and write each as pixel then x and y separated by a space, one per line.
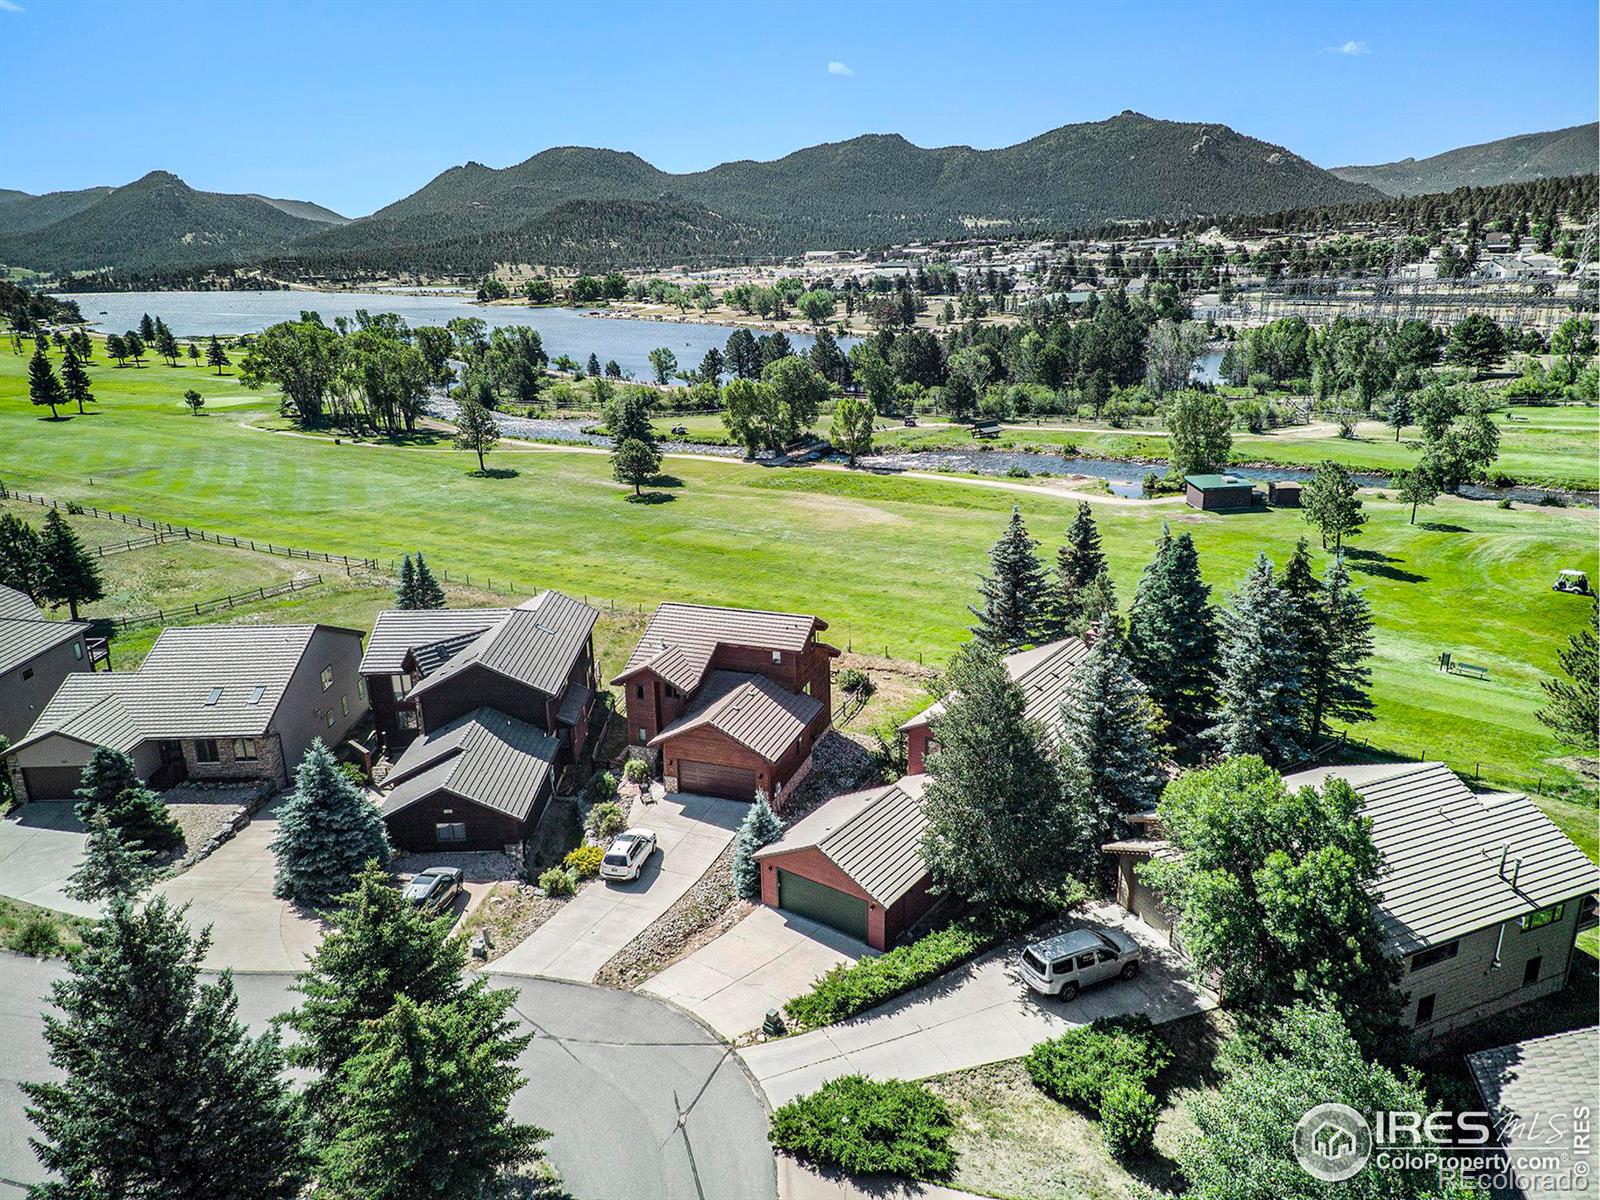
pixel 563 330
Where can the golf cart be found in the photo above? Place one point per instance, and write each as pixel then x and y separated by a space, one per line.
pixel 1572 581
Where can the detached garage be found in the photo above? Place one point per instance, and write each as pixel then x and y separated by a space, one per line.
pixel 855 864
pixel 1133 894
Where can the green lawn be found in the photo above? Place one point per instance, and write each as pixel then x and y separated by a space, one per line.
pixel 889 562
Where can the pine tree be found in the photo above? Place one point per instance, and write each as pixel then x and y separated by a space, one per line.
pixel 1107 750
pixel 476 430
pixel 74 379
pixel 140 818
pixel 1308 624
pixel 1079 563
pixel 327 831
pixel 430 594
pixel 147 328
pixel 167 346
pixel 1573 712
pixel 68 575
pixel 1260 697
pixel 1013 593
pixel 1343 692
pixel 109 774
pixel 110 868
pixel 1172 633
pixel 216 356
pixel 162 1090
pixel 405 595
pixel 21 557
pixel 43 386
pixel 759 828
pixel 115 349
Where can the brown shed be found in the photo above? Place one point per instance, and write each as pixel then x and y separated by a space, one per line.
pixel 1284 493
pixel 1218 493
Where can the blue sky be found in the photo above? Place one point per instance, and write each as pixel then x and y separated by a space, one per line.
pixel 357 103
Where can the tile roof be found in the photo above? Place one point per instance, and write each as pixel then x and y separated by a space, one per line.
pixel 536 644
pixel 681 638
pixel 1443 845
pixel 485 757
pixel 1530 1086
pixel 874 837
pixel 25 632
pixel 1044 674
pixel 400 631
pixel 751 709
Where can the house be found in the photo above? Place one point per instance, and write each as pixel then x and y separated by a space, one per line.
pixel 1483 895
pixel 1044 674
pixel 36 654
pixel 405 647
pixel 209 702
pixel 1541 1094
pixel 1283 493
pixel 733 699
pixel 855 864
pixel 1218 493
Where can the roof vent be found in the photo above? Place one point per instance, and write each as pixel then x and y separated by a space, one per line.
pixel 216 694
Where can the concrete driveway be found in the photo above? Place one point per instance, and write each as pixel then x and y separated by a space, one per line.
pixel 768 958
pixel 231 891
pixel 41 844
pixel 978 1014
pixel 604 917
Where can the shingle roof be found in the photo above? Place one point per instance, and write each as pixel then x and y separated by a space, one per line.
pixel 874 837
pixel 25 632
pixel 536 644
pixel 681 638
pixel 1442 848
pixel 750 709
pixel 1531 1085
pixel 485 757
pixel 1044 674
pixel 197 681
pixel 399 631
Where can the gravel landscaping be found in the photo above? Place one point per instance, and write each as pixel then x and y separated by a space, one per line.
pixel 211 813
pixel 507 915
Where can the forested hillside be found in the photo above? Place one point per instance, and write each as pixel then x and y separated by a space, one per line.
pixel 1528 156
pixel 21 212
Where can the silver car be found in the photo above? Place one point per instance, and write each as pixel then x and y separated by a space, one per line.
pixel 1068 962
pixel 435 889
pixel 627 854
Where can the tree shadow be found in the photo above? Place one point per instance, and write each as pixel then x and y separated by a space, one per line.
pixel 1368 555
pixel 666 481
pixel 496 473
pixel 59 417
pixel 1383 571
pixel 1441 527
pixel 652 498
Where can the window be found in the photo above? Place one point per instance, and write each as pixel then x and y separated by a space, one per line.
pixel 408 718
pixel 256 693
pixel 27 672
pixel 1530 973
pixel 361 686
pixel 1425 1009
pixel 216 694
pixel 638 691
pixel 777 656
pixel 1105 955
pixel 77 650
pixel 1085 960
pixel 205 751
pixel 643 736
pixel 450 831
pixel 1545 916
pixel 244 749
pixel 401 684
pixel 1061 966
pixel 672 692
pixel 344 705
pixel 1434 956
pixel 327 678
pixel 330 718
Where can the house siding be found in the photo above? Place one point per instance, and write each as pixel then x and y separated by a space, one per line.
pixel 475 687
pixel 918 743
pixel 1220 499
pixel 59 751
pixel 704 744
pixel 884 926
pixel 655 709
pixel 22 700
pixel 302 715
pixel 413 828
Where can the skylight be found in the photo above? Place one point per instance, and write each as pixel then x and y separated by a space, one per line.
pixel 256 693
pixel 216 694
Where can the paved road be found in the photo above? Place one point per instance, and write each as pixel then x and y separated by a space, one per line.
pixel 609 1073
pixel 40 845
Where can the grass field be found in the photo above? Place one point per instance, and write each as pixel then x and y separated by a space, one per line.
pixel 890 562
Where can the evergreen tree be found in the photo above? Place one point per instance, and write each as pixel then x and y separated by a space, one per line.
pixel 109 774
pixel 759 828
pixel 74 379
pixel 424 1105
pixel 476 430
pixel 1172 633
pixel 1107 750
pixel 1415 487
pixel 115 349
pixel 1079 562
pixel 21 556
pixel 592 368
pixel 1013 593
pixel 194 402
pixel 193 350
pixel 110 868
pixel 405 595
pixel 327 831
pixel 133 347
pixel 1330 503
pixel 994 797
pixel 635 462
pixel 147 328
pixel 167 346
pixel 43 386
pixel 1342 690
pixel 1262 675
pixel 1308 627
pixel 1573 711
pixel 162 1090
pixel 430 593
pixel 68 574
pixel 140 818
pixel 216 356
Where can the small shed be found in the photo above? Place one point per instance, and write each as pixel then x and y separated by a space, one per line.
pixel 986 429
pixel 1218 493
pixel 1284 493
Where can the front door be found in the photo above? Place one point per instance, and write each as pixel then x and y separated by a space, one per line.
pixel 173 770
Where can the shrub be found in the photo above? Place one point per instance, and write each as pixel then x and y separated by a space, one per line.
pixel 636 771
pixel 855 681
pixel 1128 1115
pixel 759 828
pixel 1077 1067
pixel 36 936
pixel 602 788
pixel 1018 473
pixel 869 1127
pixel 354 772
pixel 585 860
pixel 558 881
pixel 848 989
pixel 607 820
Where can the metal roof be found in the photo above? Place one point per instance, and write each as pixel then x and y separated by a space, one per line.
pixel 681 638
pixel 751 709
pixel 485 757
pixel 1531 1086
pixel 1456 862
pixel 537 644
pixel 1207 482
pixel 874 837
pixel 400 631
pixel 1044 674
pixel 25 632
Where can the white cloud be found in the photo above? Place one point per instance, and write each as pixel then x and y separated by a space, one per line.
pixel 834 68
pixel 1353 49
pixel 9 6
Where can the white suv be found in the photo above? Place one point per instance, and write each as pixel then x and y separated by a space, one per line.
pixel 1061 965
pixel 627 854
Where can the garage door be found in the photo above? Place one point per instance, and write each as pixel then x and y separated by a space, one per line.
pixel 714 779
pixel 1144 905
pixel 51 783
pixel 808 898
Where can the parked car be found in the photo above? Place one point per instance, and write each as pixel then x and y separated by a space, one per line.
pixel 1061 965
pixel 434 889
pixel 627 854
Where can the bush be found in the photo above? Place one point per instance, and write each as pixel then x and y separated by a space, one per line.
pixel 602 788
pixel 585 860
pixel 855 681
pixel 355 773
pixel 1128 1115
pixel 848 989
pixel 1018 473
pixel 36 937
pixel 1077 1067
pixel 636 771
pixel 869 1127
pixel 558 881
pixel 607 820
pixel 759 828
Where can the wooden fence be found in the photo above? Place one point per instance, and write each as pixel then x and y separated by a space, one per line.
pixel 202 607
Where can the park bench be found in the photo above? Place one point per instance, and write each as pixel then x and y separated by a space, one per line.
pixel 1472 669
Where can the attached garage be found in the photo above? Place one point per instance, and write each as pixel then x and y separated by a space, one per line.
pixel 829 906
pixel 1133 894
pixel 716 779
pixel 51 783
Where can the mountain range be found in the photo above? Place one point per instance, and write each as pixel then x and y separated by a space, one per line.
pixel 585 207
pixel 1528 156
